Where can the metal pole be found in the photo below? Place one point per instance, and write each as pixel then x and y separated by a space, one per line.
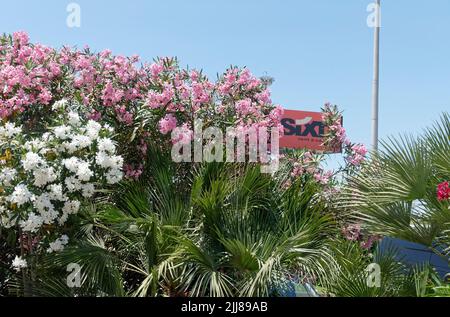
pixel 376 79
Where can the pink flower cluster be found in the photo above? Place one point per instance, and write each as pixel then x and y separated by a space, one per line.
pixel 337 137
pixel 443 191
pixel 22 85
pixel 308 165
pixel 336 134
pixel 357 155
pixel 33 74
pixel 132 171
pixel 353 232
pixel 371 240
pixel 183 134
pixel 323 177
pixel 246 98
pixel 116 90
pixel 167 124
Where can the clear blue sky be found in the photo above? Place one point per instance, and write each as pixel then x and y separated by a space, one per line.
pixel 317 50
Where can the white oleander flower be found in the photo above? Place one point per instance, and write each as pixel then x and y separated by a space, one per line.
pixel 7 175
pixel 21 195
pixel 56 192
pixel 74 119
pixel 64 239
pixel 88 190
pixel 106 145
pixel 71 207
pixel 63 219
pixel 43 176
pixel 58 245
pixel 108 128
pixel 114 176
pixel 47 137
pixel 32 224
pixel 62 132
pixel 35 145
pixel 6 219
pixel 84 172
pixel 9 130
pixel 78 142
pixel 60 105
pixel 117 162
pixel 71 164
pixel 104 160
pixel 6 216
pixel 73 184
pixel 45 208
pixel 93 129
pixel 18 264
pixel 32 161
pixel 57 173
pixel 42 203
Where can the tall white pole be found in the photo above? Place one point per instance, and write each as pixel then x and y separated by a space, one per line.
pixel 376 78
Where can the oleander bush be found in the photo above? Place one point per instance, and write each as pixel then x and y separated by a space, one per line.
pixel 93 204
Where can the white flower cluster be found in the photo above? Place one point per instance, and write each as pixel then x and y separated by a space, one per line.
pixel 58 245
pixel 9 130
pixel 18 264
pixel 57 171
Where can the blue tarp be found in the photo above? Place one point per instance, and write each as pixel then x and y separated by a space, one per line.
pixel 413 254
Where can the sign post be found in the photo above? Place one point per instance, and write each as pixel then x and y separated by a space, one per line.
pixel 376 77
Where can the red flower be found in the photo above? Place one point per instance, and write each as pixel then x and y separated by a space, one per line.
pixel 443 191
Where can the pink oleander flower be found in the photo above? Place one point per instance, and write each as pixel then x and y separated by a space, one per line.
pixel 443 191
pixel 143 147
pixel 45 97
pixel 182 135
pixel 352 232
pixel 347 142
pixel 264 97
pixel 297 170
pixel 95 115
pixel 21 38
pixel 124 116
pixel 355 159
pixel 359 149
pixel 276 114
pixel 357 154
pixel 194 75
pixel 132 172
pixel 339 132
pixel 201 92
pixel 158 100
pixel 244 107
pixel 167 124
pixel 113 88
pixel 367 245
pixel 323 178
pixel 156 69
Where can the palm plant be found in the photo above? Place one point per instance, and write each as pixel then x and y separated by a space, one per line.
pixel 395 193
pixel 217 230
pixel 253 234
pixel 352 274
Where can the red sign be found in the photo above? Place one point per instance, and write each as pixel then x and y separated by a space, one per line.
pixel 304 130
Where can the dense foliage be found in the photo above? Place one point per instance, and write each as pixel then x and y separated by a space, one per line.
pixel 87 181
